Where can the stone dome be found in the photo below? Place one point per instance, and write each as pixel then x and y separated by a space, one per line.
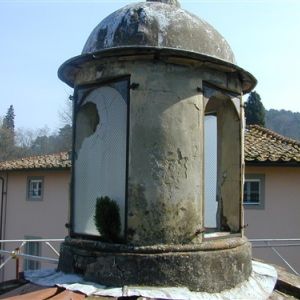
pixel 160 24
pixel 159 28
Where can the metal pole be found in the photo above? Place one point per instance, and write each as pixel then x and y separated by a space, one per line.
pixel 53 249
pixel 274 240
pixel 285 261
pixel 32 240
pixel 17 268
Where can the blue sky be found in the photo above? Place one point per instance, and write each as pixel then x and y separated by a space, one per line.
pixel 38 36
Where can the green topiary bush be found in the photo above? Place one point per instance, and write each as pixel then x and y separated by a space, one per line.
pixel 107 219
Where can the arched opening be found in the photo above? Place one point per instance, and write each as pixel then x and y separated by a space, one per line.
pixel 99 167
pixel 222 166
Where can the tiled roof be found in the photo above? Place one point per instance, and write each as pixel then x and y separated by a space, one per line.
pixel 50 161
pixel 261 145
pixel 265 145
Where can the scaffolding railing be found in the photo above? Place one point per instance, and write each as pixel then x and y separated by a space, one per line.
pixel 17 252
pixel 273 244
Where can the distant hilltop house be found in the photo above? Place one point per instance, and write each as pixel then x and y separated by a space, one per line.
pixel 35 197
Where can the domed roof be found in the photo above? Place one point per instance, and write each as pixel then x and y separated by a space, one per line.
pixel 161 24
pixel 159 28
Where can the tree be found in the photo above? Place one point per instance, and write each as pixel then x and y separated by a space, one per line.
pixel 7 148
pixel 16 143
pixel 46 143
pixel 66 114
pixel 9 119
pixel 254 110
pixel 7 135
pixel 284 122
pixel 64 138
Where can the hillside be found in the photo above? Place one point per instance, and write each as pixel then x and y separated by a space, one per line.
pixel 284 122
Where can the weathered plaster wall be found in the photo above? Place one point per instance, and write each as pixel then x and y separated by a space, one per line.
pixel 165 154
pixel 165 184
pixel 230 166
pixel 165 167
pixel 106 68
pixel 280 217
pixel 212 266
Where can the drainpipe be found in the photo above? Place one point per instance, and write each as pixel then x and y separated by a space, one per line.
pixel 1 206
pixel 1 215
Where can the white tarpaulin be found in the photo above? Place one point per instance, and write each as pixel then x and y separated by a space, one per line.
pixel 260 285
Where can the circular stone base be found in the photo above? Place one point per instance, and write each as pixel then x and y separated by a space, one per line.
pixel 212 266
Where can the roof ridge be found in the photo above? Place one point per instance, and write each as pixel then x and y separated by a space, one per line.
pixel 275 134
pixel 35 157
pixel 261 145
pixel 53 160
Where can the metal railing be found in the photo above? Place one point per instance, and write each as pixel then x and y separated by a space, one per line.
pixel 277 243
pixel 17 252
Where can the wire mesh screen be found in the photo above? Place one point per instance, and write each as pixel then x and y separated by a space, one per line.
pixel 100 155
pixel 210 172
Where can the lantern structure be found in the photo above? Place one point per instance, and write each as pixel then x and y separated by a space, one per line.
pixel 158 133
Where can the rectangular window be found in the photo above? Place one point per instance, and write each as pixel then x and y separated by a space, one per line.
pixel 251 191
pixel 35 188
pixel 254 187
pixel 32 248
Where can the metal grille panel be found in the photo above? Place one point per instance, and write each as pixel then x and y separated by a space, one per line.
pixel 100 164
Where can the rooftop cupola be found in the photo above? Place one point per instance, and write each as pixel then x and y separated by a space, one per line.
pixel 157 158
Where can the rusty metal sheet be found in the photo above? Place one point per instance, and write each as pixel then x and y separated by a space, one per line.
pixel 31 292
pixel 68 295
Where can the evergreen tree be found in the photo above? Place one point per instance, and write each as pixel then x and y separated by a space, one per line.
pixel 254 110
pixel 9 119
pixel 64 138
pixel 7 135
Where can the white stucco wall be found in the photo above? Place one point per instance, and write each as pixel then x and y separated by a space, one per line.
pixel 43 219
pixel 280 217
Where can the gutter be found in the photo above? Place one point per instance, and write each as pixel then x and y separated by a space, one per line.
pixel 272 163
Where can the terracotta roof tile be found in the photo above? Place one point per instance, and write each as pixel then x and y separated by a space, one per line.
pixel 50 161
pixel 261 145
pixel 265 145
